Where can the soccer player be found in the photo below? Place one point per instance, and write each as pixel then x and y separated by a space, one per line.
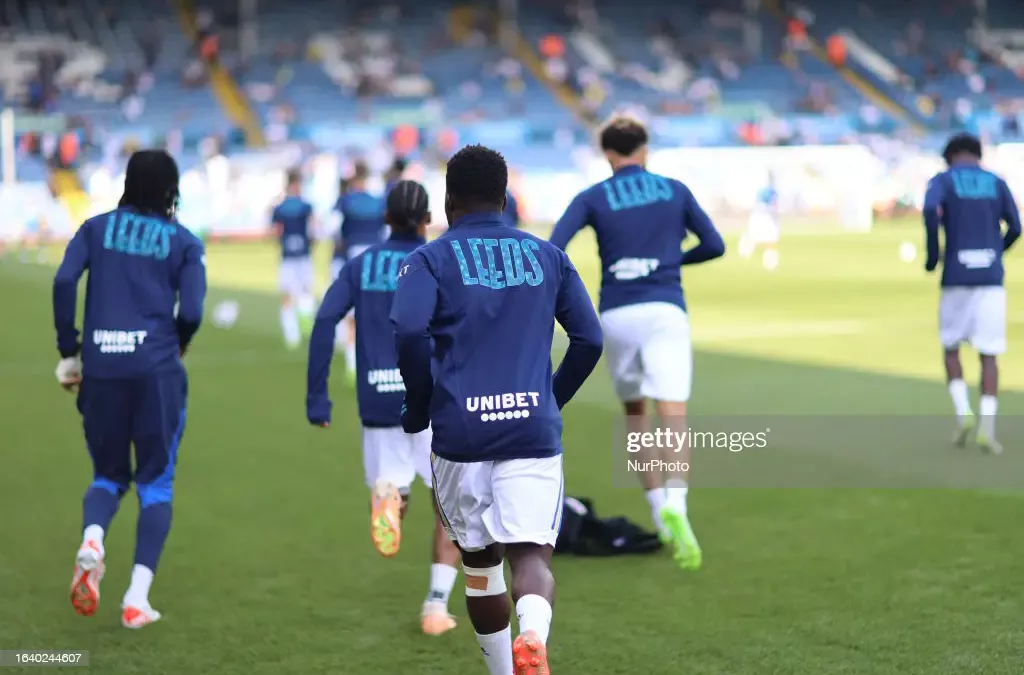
pixel 511 211
pixel 970 204
pixel 128 371
pixel 394 174
pixel 641 220
pixel 474 317
pixel 763 227
pixel 292 220
pixel 362 226
pixel 392 458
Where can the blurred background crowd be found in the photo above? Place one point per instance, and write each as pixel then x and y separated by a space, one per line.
pixel 240 91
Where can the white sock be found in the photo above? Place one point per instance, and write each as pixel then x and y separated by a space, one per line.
pixel 306 305
pixel 497 649
pixel 138 590
pixel 987 407
pixel 675 494
pixel 290 326
pixel 770 259
pixel 961 398
pixel 656 498
pixel 350 357
pixel 534 614
pixel 93 533
pixel 442 580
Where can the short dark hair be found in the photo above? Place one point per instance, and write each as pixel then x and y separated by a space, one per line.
pixel 360 171
pixel 294 177
pixel 407 205
pixel 623 136
pixel 962 144
pixel 151 183
pixel 477 176
pixel 399 165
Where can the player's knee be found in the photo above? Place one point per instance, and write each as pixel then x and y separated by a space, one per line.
pixel 669 409
pixel 114 487
pixel 485 581
pixel 160 491
pixel 635 408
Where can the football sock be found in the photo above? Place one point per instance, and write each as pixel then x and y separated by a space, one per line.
pixel 497 650
pixel 656 498
pixel 675 494
pixel 93 533
pixel 442 580
pixel 350 357
pixel 99 506
pixel 306 306
pixel 961 398
pixel 534 614
pixel 770 259
pixel 988 406
pixel 151 534
pixel 138 591
pixel 290 326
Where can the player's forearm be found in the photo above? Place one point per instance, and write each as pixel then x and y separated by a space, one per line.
pixel 707 249
pixel 579 362
pixel 65 296
pixel 414 353
pixel 321 351
pixel 1012 234
pixel 931 243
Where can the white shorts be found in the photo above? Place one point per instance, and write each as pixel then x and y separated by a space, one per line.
pixel 515 501
pixel 648 351
pixel 296 276
pixel 973 314
pixel 762 229
pixel 396 456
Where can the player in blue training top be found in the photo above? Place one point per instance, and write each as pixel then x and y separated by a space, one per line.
pixel 392 459
pixel 474 318
pixel 128 372
pixel 641 220
pixel 361 226
pixel 511 211
pixel 970 204
pixel 763 226
pixel 293 222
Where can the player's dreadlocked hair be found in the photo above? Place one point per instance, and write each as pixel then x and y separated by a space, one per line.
pixel 477 177
pixel 407 206
pixel 623 136
pixel 151 183
pixel 962 144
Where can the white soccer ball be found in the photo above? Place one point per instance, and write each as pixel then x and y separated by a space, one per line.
pixel 908 252
pixel 225 314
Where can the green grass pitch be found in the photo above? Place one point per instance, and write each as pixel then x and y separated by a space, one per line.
pixel 269 568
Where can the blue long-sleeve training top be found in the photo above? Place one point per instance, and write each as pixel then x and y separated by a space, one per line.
pixel 362 221
pixel 641 220
pixel 474 317
pixel 970 205
pixel 139 267
pixel 293 216
pixel 367 284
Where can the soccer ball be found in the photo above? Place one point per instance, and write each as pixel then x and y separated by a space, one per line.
pixel 908 252
pixel 225 314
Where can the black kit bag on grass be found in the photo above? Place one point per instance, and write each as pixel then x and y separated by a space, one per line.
pixel 583 533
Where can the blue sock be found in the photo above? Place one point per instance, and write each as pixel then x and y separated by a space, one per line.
pixel 99 506
pixel 151 534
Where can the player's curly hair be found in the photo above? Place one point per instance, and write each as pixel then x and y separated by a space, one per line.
pixel 151 183
pixel 962 144
pixel 477 177
pixel 407 205
pixel 623 135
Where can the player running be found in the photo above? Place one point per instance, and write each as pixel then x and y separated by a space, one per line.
pixel 293 221
pixel 641 220
pixel 362 226
pixel 971 204
pixel 474 316
pixel 128 372
pixel 392 458
pixel 763 227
